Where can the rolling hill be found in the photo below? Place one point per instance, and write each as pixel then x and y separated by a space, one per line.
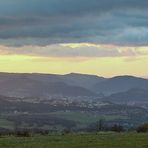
pixel 39 85
pixel 132 95
pixel 72 85
pixel 120 84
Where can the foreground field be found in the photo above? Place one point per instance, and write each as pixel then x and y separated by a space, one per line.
pixel 107 140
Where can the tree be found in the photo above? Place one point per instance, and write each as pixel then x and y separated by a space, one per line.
pixel 143 128
pixel 100 125
pixel 117 128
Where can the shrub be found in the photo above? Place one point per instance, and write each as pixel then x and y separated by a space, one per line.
pixel 117 128
pixel 143 128
pixel 66 131
pixel 23 133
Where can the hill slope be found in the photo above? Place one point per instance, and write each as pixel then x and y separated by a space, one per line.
pixel 120 84
pixel 38 85
pixel 132 95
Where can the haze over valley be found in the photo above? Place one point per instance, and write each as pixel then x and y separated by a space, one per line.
pixel 50 100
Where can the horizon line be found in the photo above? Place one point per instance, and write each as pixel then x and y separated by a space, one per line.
pixel 89 74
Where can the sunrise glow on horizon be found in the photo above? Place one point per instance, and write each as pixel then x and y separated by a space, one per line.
pixel 127 61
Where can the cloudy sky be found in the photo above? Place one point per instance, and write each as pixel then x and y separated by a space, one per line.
pixel 103 37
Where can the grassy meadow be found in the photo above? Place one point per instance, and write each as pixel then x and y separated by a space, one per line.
pixel 100 140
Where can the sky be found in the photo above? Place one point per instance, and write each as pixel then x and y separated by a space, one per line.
pixel 101 37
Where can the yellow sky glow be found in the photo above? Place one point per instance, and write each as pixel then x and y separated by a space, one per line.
pixel 103 66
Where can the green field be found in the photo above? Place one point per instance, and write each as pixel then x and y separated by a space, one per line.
pixel 82 119
pixel 104 140
pixel 85 118
pixel 6 124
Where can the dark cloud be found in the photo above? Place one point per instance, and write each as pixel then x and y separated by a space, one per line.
pixel 43 22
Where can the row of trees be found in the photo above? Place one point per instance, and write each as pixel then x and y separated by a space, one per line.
pixel 23 132
pixel 99 126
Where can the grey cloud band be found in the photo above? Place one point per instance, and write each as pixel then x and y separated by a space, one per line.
pixel 43 22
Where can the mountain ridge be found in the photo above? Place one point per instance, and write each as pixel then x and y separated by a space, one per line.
pixel 72 84
pixel 121 84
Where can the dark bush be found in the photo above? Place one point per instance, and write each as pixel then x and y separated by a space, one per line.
pixel 66 131
pixel 5 132
pixel 117 128
pixel 143 128
pixel 23 133
pixel 44 132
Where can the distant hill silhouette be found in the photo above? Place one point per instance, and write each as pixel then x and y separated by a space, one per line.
pixel 73 84
pixel 39 85
pixel 120 84
pixel 83 80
